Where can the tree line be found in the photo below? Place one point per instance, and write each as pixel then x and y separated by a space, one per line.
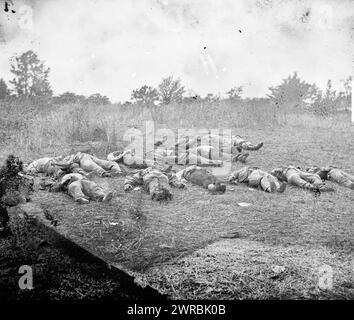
pixel 31 80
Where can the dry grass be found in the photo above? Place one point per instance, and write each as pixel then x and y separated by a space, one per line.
pixel 33 131
pixel 242 269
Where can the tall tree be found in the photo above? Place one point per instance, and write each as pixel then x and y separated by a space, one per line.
pixel 326 102
pixel 4 91
pixel 30 76
pixel 145 94
pixel 171 90
pixel 293 92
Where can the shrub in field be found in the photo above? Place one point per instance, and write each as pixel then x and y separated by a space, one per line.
pixel 97 99
pixel 171 90
pixel 293 93
pixel 326 104
pixel 146 94
pixel 69 98
pixel 235 93
pixel 210 97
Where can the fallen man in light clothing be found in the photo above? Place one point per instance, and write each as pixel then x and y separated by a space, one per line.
pixel 91 163
pixel 43 165
pixel 257 178
pixel 191 152
pixel 81 189
pixel 201 177
pixel 297 177
pixel 80 162
pixel 334 174
pixel 243 144
pixel 211 145
pixel 54 167
pixel 154 181
pixel 160 157
pixel 236 142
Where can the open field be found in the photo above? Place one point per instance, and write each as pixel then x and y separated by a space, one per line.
pixel 180 247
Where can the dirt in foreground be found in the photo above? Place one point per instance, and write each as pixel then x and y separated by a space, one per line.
pixel 56 274
pixel 241 269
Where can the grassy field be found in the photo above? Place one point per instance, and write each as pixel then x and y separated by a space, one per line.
pixel 180 247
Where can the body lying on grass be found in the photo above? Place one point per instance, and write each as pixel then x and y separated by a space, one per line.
pixel 300 178
pixel 196 151
pixel 49 167
pixel 201 177
pixel 231 148
pixel 81 189
pixel 257 178
pixel 80 162
pixel 154 181
pixel 243 144
pixel 333 174
pixel 223 142
pixel 15 188
pixel 160 157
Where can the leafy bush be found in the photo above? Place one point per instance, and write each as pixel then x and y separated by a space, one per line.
pixel 146 94
pixel 171 90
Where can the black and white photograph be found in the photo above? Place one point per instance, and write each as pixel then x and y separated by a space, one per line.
pixel 186 153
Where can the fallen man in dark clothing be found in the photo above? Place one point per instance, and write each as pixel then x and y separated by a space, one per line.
pixel 201 177
pixel 156 182
pixel 300 178
pixel 257 178
pixel 333 174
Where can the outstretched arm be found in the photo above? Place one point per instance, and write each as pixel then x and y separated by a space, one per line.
pixel 117 156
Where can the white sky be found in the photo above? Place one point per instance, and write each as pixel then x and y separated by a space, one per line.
pixel 115 46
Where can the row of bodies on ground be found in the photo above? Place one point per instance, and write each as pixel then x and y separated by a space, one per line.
pixel 73 174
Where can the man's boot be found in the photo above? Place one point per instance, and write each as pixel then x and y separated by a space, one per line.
pixel 82 200
pixel 282 187
pixel 108 197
